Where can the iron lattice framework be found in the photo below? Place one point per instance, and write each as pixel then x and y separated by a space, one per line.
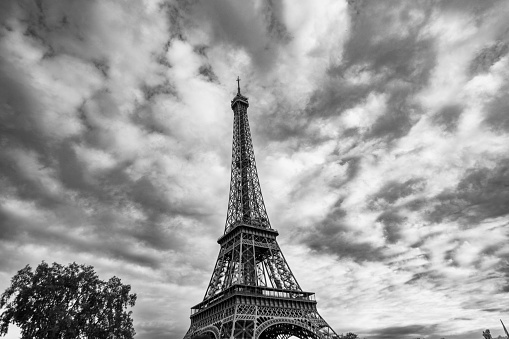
pixel 245 205
pixel 252 292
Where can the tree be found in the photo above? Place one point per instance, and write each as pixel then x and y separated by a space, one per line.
pixel 64 302
pixel 349 335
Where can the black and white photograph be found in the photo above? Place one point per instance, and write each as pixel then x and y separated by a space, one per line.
pixel 254 169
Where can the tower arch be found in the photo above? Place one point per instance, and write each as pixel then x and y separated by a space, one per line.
pixel 272 329
pixel 210 331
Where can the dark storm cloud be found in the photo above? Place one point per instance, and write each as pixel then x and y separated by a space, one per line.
pixel 284 123
pixel 341 246
pixel 399 63
pixel 258 31
pixel 115 183
pixel 60 24
pixel 488 56
pixel 111 186
pixel 6 8
pixel 416 278
pixel 498 309
pixel 147 194
pixel 481 194
pixel 103 192
pixel 177 16
pixel 104 242
pixel 156 202
pixel 503 268
pixel 392 222
pixel 101 230
pixel 477 8
pixel 403 332
pixel 116 189
pixel 336 96
pixel 67 28
pixel 157 331
pixel 19 122
pixel 497 111
pixel 102 66
pixel 144 114
pixel 332 236
pixel 354 165
pixel 398 119
pixel 75 176
pixel 466 334
pixel 402 55
pixel 392 191
pixel 25 185
pixel 415 204
pixel 9 229
pixel 152 91
pixel 273 11
pixel 208 73
pixel 448 117
pixel 385 199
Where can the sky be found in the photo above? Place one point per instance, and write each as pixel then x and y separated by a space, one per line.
pixel 381 135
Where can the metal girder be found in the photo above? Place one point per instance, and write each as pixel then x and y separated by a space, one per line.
pixel 245 204
pixel 242 260
pixel 250 320
pixel 252 293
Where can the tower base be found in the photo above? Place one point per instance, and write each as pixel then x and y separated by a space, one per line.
pixel 249 312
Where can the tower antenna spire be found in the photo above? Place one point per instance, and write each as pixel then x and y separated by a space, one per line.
pixel 238 85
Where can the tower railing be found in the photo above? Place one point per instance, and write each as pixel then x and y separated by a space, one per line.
pixel 248 290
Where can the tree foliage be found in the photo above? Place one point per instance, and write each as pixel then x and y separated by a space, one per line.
pixel 349 335
pixel 61 302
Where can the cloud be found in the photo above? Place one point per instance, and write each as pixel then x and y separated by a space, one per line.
pixel 479 195
pixel 487 57
pixel 409 331
pixel 496 117
pixel 448 117
pixel 332 236
pixel 392 191
pixel 256 28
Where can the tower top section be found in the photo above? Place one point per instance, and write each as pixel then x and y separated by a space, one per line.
pixel 239 98
pixel 245 205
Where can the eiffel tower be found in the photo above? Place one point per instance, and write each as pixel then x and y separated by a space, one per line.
pixel 252 293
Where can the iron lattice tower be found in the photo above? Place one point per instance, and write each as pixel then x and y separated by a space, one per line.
pixel 252 293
